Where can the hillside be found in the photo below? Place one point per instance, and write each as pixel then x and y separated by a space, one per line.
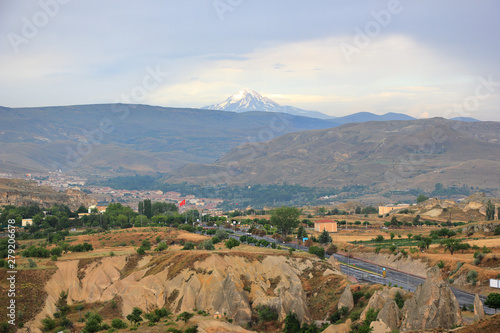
pixel 110 139
pixel 393 155
pixel 18 192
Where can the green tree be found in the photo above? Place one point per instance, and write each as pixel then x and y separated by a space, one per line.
pixel 301 232
pixel 324 237
pixel 93 323
pixel 490 211
pixel 118 323
pixel 493 301
pixel 392 235
pixel 292 323
pixel 317 250
pixel 185 316
pixel 135 316
pixel 394 221
pixel 231 242
pixel 285 219
pixel 451 244
pixel 422 198
pixel 148 208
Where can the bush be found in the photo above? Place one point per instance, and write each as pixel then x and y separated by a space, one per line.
pixel 379 238
pixel 319 251
pixel 188 246
pixel 192 329
pixel 208 245
pixel 398 298
pixel 331 249
pixel 440 264
pixel 49 324
pixel 161 247
pixel 53 258
pixel 221 234
pixel 266 313
pixel 93 323
pixel 56 251
pixel 146 244
pixel 357 295
pixel 472 277
pixel 141 251
pixel 231 242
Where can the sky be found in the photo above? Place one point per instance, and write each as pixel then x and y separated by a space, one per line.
pixel 424 58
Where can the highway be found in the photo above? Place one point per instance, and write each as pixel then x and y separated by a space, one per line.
pixel 358 269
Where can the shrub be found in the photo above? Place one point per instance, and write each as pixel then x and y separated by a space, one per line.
pixel 194 329
pixel 161 247
pixel 146 244
pixel 379 238
pixel 319 251
pixel 398 298
pixel 440 264
pixel 141 251
pixel 49 324
pixel 472 277
pixel 56 251
pixel 357 295
pixel 188 246
pixel 331 249
pixel 266 313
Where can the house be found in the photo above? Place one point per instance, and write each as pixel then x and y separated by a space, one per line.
pixel 26 222
pixel 328 225
pixel 382 210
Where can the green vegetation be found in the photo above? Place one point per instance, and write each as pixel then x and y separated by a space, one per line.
pixel 493 301
pixel 324 237
pixel 317 250
pixel 231 242
pixel 285 219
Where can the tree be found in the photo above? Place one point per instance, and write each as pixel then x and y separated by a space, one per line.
pixel 451 244
pixel 392 235
pixel 394 221
pixel 301 232
pixel 148 208
pixel 185 316
pixel 490 211
pixel 409 235
pixel 493 301
pixel 93 323
pixel 324 237
pixel 285 219
pixel 292 323
pixel 422 198
pixel 231 242
pixel 135 316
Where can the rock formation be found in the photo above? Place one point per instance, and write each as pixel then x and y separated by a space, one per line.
pixel 390 315
pixel 227 284
pixel 433 306
pixel 340 328
pixel 380 327
pixel 381 297
pixel 346 299
pixel 478 308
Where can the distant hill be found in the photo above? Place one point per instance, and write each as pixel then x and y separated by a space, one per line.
pixel 362 117
pixel 250 100
pixel 468 119
pixel 388 155
pixel 111 139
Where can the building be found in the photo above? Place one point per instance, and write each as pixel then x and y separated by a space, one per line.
pixel 382 210
pixel 26 222
pixel 328 225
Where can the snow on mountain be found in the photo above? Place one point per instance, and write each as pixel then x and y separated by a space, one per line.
pixel 250 100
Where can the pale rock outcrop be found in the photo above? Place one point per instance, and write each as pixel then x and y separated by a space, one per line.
pixel 215 283
pixel 478 308
pixel 380 298
pixel 216 326
pixel 380 327
pixel 346 298
pixel 340 328
pixel 390 315
pixel 433 306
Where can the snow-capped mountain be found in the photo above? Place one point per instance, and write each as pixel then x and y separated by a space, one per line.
pixel 250 100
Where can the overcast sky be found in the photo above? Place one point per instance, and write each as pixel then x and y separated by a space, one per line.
pixel 424 58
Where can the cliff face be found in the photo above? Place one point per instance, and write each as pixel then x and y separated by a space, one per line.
pixel 19 192
pixel 228 284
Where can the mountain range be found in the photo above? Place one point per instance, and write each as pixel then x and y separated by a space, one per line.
pixel 383 155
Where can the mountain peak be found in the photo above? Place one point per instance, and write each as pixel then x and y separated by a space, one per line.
pixel 250 100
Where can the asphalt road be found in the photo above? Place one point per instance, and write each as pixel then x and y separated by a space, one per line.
pixel 395 277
